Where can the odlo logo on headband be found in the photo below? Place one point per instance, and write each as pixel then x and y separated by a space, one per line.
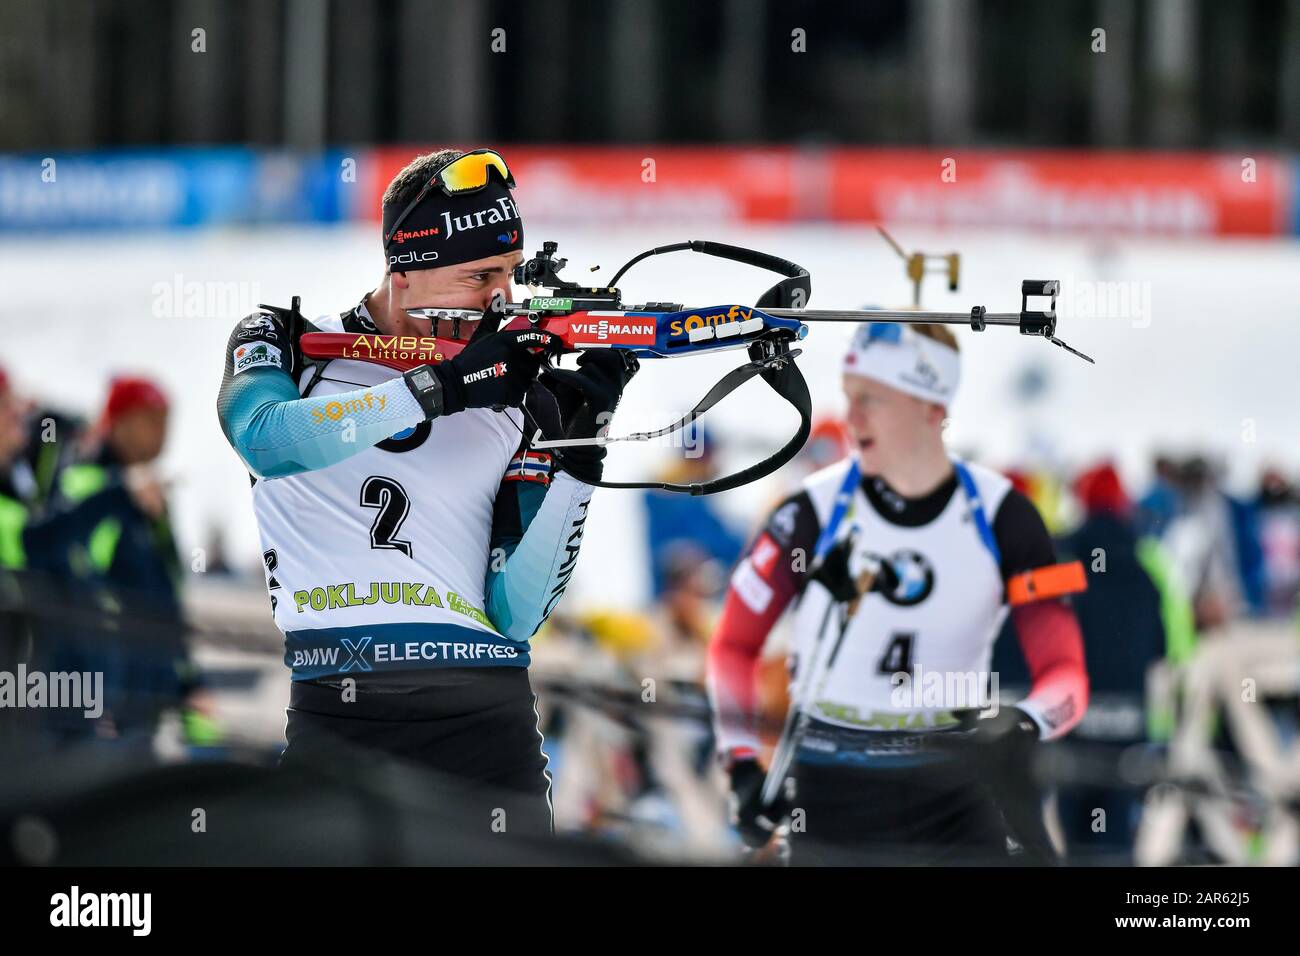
pixel 406 258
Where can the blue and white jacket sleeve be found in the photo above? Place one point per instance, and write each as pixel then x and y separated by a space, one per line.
pixel 276 431
pixel 537 529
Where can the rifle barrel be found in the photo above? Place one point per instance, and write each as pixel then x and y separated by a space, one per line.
pixel 888 315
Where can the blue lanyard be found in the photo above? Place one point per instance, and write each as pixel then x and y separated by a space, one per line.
pixel 977 510
pixel 844 497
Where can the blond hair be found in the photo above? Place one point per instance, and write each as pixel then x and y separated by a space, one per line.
pixel 940 333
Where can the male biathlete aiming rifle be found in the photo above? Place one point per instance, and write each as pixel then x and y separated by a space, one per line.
pixel 413 543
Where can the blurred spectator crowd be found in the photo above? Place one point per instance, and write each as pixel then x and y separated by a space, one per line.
pixel 92 581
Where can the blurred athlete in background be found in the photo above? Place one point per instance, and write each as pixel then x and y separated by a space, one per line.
pixel 891 768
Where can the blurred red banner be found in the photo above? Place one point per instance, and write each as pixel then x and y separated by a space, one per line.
pixel 1135 193
pixel 630 184
pixel 1173 194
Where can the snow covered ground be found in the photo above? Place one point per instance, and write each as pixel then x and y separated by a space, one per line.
pixel 1197 346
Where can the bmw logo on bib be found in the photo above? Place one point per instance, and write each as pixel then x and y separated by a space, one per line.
pixel 408 439
pixel 915 579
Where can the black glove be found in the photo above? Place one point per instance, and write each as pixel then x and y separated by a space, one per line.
pixel 1000 750
pixel 833 573
pixel 754 822
pixel 587 399
pixel 493 371
pixel 1008 738
pixel 1010 728
pixel 999 743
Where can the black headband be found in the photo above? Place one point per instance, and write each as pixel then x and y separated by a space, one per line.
pixel 446 230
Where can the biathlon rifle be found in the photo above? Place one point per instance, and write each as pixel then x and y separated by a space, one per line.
pixel 595 317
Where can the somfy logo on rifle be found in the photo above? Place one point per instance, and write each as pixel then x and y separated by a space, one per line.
pixel 736 313
pixel 494 371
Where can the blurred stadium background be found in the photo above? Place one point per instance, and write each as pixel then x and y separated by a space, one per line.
pixel 168 166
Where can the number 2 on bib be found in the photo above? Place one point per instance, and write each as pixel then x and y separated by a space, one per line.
pixel 393 504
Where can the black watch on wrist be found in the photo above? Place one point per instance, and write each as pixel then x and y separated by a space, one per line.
pixel 427 389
